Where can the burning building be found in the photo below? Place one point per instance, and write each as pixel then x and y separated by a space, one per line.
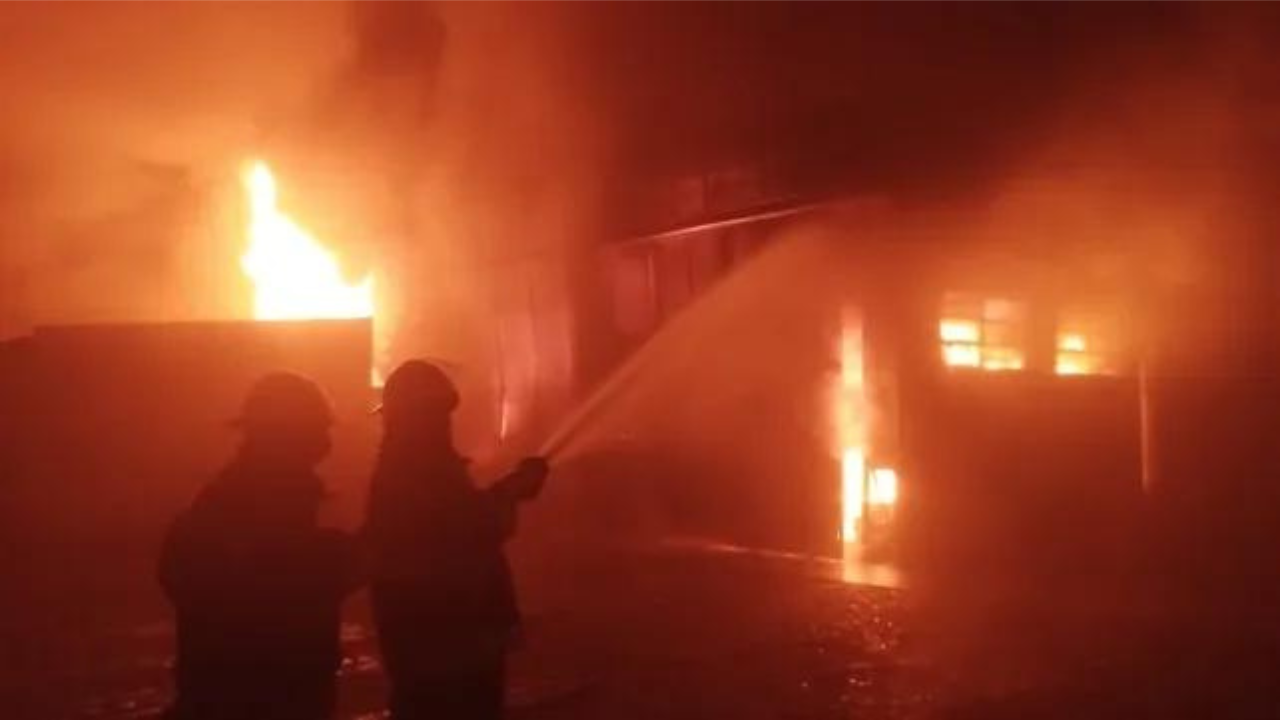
pixel 126 419
pixel 953 384
pixel 534 235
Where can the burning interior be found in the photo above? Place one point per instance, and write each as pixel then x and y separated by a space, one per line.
pixel 878 363
pixel 939 385
pixel 914 389
pixel 295 277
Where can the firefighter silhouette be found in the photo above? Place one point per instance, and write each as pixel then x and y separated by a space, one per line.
pixel 256 585
pixel 442 591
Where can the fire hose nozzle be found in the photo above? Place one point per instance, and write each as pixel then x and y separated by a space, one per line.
pixel 530 475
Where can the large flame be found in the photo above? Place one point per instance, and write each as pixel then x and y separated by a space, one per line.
pixel 848 422
pixel 850 429
pixel 294 276
pixel 867 494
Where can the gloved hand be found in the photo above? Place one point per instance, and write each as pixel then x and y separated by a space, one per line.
pixel 529 477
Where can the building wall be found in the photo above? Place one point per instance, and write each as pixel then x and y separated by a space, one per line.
pixel 725 422
pixel 120 424
pixel 1080 437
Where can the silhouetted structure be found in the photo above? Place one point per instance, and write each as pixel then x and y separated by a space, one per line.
pixel 145 407
pixel 443 595
pixel 257 586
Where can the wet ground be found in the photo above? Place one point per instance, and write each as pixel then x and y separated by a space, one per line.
pixel 687 633
pixel 670 634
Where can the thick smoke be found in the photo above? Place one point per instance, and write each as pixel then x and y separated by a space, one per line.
pixel 489 158
pixel 441 137
pixel 121 123
pixel 442 146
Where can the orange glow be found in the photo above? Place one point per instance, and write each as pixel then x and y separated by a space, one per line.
pixel 960 340
pixel 883 487
pixel 294 276
pixel 961 355
pixel 1073 366
pixel 996 359
pixel 850 411
pixel 1071 342
pixel 981 333
pixel 958 331
pixel 852 473
pixel 1075 357
pixel 861 490
pixel 962 347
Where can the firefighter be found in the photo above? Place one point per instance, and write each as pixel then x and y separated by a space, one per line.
pixel 442 591
pixel 256 585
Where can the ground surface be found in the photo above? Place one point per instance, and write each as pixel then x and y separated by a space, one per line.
pixel 654 635
pixel 708 635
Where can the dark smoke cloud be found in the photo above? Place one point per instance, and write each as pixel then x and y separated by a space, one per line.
pixel 909 95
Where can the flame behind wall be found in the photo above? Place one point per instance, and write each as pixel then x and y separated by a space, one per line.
pixel 294 276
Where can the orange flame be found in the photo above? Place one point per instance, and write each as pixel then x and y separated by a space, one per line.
pixel 853 469
pixel 963 346
pixel 883 487
pixel 862 487
pixel 294 276
pixel 849 417
pixel 867 494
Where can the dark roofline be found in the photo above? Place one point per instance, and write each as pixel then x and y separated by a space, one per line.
pixel 742 216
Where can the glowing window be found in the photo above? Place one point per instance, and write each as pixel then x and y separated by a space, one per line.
pixel 982 333
pixel 1087 343
pixel 882 486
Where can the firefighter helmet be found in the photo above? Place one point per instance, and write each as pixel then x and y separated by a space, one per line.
pixel 280 400
pixel 418 384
